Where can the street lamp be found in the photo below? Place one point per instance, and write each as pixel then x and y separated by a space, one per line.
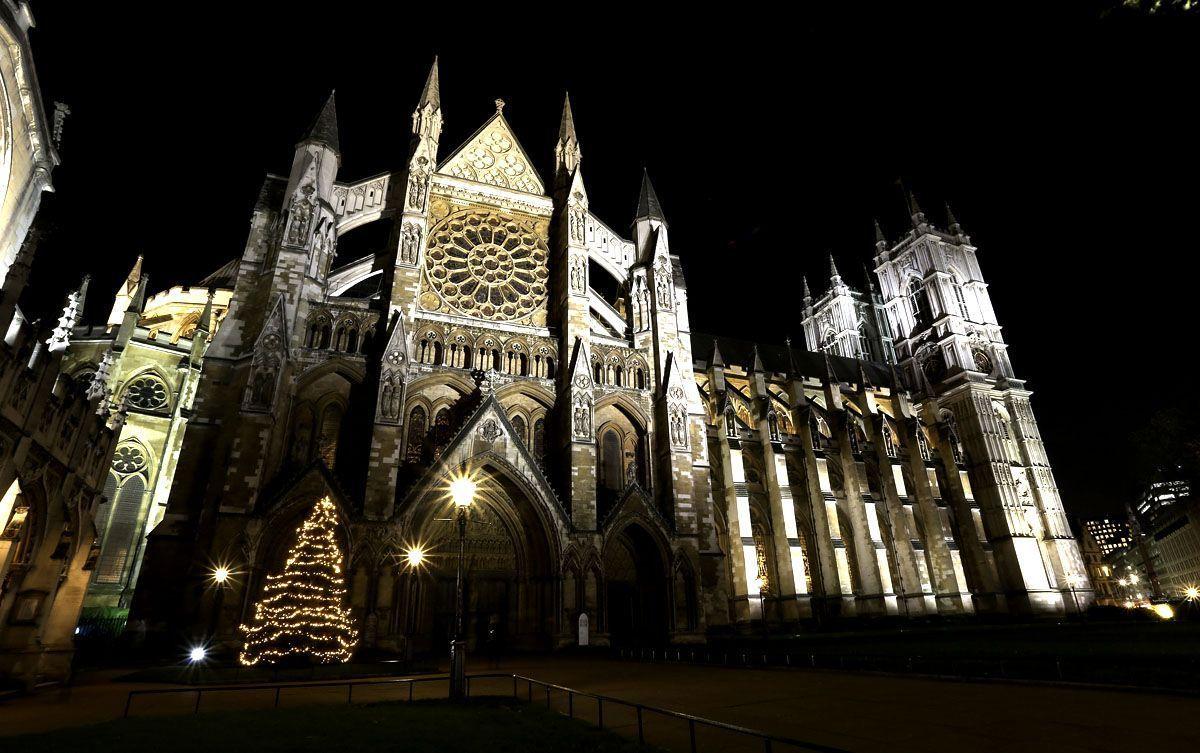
pixel 462 492
pixel 415 556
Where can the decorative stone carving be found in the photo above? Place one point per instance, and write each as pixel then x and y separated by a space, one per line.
pixel 488 264
pixel 410 240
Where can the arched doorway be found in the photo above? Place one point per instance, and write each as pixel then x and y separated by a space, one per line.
pixel 636 588
pixel 510 592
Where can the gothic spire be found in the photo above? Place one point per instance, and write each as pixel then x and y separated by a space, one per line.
pixel 567 154
pixel 566 127
pixel 830 374
pixel 807 292
pixel 914 209
pixel 648 207
pixel 324 129
pixel 863 380
pixel 868 278
pixel 952 221
pixel 716 355
pixel 431 95
pixel 125 295
pixel 205 323
pixel 756 367
pixel 833 270
pixel 880 238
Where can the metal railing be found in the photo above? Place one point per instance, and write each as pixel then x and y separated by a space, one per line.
pixel 767 740
pixel 1178 674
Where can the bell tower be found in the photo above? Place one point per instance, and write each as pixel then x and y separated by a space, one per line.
pixel 950 347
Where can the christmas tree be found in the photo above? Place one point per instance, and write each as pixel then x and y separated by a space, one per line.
pixel 301 615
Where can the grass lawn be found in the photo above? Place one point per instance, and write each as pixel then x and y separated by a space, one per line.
pixel 492 725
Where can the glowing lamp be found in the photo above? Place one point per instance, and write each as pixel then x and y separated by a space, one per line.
pixel 462 491
pixel 1191 593
pixel 415 557
pixel 220 575
pixel 1164 611
pixel 197 654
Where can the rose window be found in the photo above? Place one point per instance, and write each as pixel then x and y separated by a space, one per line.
pixel 128 459
pixel 147 393
pixel 488 264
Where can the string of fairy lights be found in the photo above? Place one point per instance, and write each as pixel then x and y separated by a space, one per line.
pixel 302 612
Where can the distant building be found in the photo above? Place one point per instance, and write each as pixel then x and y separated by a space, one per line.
pixel 1163 496
pixel 1108 534
pixel 1094 543
pixel 1162 559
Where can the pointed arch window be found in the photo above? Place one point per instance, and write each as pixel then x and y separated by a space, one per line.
pixel 327 441
pixel 611 470
pixel 961 300
pixel 918 302
pixel 441 429
pixel 120 533
pixel 519 426
pixel 539 439
pixel 416 435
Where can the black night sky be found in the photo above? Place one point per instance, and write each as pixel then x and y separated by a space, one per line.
pixel 1067 145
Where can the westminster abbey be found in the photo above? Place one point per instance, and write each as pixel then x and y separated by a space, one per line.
pixel 639 482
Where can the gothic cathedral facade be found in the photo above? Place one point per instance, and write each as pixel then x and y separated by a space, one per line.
pixel 636 477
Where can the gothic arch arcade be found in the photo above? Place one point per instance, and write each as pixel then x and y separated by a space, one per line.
pixel 511 587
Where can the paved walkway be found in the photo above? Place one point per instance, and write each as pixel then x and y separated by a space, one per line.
pixel 853 711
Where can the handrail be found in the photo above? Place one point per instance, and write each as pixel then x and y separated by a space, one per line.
pixel 768 740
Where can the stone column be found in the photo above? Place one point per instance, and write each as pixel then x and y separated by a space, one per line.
pixel 870 599
pixel 909 591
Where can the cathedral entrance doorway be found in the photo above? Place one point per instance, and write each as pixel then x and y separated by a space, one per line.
pixel 509 586
pixel 636 588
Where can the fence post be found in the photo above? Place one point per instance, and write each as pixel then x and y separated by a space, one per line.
pixel 278 688
pixel 641 732
pixel 515 687
pixel 547 696
pixel 767 744
pixel 410 690
pixel 128 703
pixel 196 710
pixel 600 711
pixel 692 733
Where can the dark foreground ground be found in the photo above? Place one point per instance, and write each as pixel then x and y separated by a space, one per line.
pixel 853 711
pixel 493 725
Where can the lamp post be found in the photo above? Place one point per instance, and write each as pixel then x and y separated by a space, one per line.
pixel 462 491
pixel 1074 580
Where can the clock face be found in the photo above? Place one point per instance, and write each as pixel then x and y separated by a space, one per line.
pixel 486 264
pixel 982 361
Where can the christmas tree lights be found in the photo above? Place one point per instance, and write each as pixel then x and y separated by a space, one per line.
pixel 301 614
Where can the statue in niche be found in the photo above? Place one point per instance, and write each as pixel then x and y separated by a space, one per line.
pixel 583 419
pixel 301 214
pixel 416 189
pixel 410 236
